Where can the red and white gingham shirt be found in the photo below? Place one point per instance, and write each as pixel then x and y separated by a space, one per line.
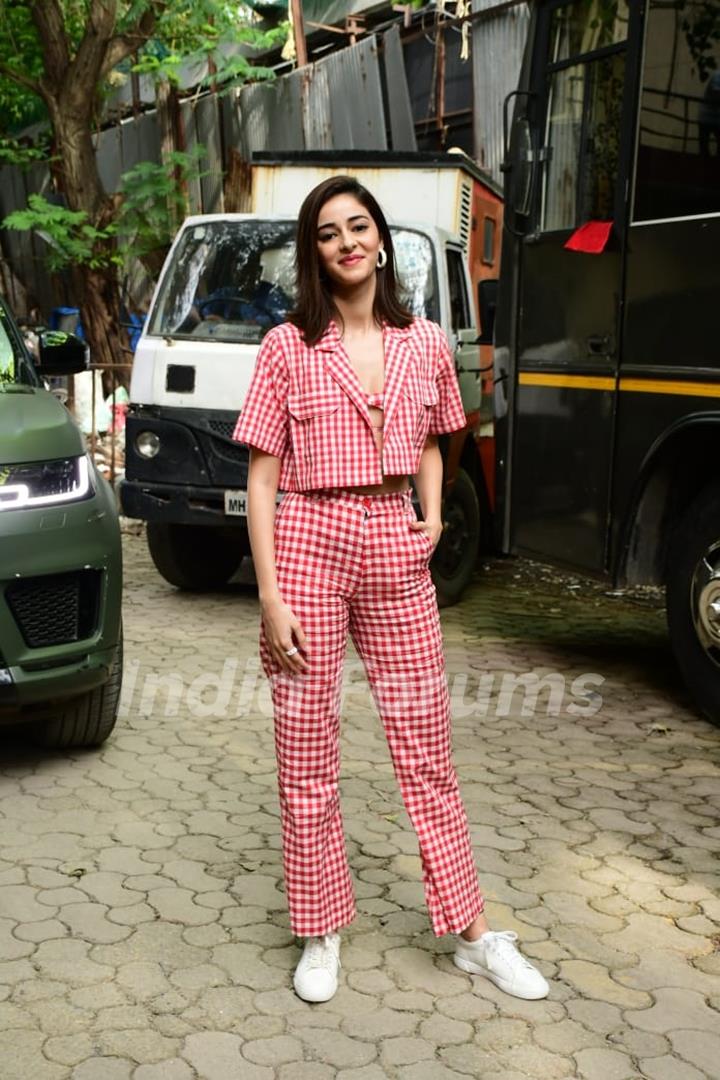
pixel 306 406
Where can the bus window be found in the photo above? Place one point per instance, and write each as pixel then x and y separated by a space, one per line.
pixel 586 73
pixel 678 158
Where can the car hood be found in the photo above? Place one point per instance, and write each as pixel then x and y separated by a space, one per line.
pixel 35 426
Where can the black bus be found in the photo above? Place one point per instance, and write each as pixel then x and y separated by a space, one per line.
pixel 607 329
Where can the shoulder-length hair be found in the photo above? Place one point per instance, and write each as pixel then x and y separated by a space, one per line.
pixel 315 305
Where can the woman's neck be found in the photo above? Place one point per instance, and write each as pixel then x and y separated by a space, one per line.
pixel 355 308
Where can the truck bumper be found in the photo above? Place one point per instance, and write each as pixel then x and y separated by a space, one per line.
pixel 177 504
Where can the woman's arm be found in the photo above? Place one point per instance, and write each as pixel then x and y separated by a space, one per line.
pixel 428 484
pixel 282 629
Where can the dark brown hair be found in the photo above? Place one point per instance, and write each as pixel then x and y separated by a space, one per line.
pixel 315 305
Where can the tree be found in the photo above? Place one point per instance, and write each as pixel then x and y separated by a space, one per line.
pixel 60 55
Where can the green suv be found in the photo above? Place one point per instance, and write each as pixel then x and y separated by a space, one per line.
pixel 60 555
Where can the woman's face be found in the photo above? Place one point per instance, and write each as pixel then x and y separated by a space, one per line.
pixel 348 241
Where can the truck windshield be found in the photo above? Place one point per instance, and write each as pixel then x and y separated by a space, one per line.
pixel 234 280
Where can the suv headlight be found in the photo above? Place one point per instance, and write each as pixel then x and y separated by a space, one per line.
pixel 44 483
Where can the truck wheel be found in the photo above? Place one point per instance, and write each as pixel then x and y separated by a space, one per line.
pixel 454 560
pixel 195 556
pixel 86 720
pixel 693 600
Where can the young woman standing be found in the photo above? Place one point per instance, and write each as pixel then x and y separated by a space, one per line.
pixel 346 403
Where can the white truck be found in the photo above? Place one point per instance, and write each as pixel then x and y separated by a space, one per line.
pixel 227 280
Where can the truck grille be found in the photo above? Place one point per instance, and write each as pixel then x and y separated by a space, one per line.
pixel 56 609
pixel 223 427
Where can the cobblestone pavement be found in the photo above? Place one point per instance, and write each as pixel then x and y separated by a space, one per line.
pixel 143 930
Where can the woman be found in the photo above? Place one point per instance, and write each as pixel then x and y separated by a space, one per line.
pixel 346 403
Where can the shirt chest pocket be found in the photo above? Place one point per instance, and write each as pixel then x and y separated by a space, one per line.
pixel 418 399
pixel 313 420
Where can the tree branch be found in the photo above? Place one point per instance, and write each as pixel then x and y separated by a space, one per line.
pixel 126 44
pixel 50 25
pixel 22 80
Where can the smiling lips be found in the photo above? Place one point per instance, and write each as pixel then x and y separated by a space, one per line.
pixel 349 260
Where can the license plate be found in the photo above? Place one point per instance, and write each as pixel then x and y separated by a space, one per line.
pixel 236 503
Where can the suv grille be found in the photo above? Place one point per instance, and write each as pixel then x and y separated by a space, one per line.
pixel 56 609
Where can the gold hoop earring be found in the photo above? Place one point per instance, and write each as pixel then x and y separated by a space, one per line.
pixel 382 259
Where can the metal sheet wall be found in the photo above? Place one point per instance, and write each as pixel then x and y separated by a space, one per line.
pixel 497 48
pixel 336 102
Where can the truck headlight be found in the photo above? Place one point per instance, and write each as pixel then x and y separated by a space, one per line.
pixel 147 444
pixel 44 483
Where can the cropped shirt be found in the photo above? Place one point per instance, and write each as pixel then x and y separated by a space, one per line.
pixel 305 405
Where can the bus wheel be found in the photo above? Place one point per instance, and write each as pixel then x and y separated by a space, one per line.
pixel 693 600
pixel 454 560
pixel 195 556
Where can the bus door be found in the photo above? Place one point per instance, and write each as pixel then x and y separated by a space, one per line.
pixel 568 301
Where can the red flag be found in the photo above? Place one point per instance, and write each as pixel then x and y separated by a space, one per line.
pixel 592 237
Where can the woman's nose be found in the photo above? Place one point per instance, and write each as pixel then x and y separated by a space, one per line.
pixel 347 241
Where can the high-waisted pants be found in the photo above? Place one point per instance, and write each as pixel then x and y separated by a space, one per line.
pixel 348 562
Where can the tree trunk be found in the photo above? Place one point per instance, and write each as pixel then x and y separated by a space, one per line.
pixel 96 291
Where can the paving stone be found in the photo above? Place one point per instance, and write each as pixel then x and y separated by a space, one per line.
pixel 142 979
pixel 335 1048
pixel 276 1050
pixel 365 1072
pixel 598 1016
pixel 421 1070
pixel 532 1060
pixel 414 1001
pixel 69 1049
pixel 379 1024
pixel 216 1055
pixel 308 1070
pixel 566 1037
pixel 644 933
pixel 174 1069
pixel 592 980
pixel 441 1031
pixel 371 982
pixel 105 1067
pixel 404 1051
pixel 669 1068
pixel 605 1065
pixel 702 1051
pixel 140 1046
pixel 58 1017
pixel 674 1010
pixel 413 969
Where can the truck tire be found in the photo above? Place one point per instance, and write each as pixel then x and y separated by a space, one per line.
pixel 692 592
pixel 195 556
pixel 453 563
pixel 86 720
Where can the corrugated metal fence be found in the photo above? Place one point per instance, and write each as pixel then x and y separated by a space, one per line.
pixel 498 42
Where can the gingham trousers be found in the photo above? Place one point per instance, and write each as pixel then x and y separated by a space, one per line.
pixel 347 562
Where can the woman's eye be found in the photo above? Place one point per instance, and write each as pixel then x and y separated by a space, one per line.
pixel 360 228
pixel 324 237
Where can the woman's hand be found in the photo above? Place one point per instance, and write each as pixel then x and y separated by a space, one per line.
pixel 432 528
pixel 283 632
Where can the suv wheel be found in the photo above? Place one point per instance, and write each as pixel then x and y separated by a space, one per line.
pixel 86 720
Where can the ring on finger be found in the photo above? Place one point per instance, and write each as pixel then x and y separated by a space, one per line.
pixel 291 652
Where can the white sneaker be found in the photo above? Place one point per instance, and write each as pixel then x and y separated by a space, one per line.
pixel 316 976
pixel 494 954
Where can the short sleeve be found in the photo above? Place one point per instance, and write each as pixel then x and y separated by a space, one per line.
pixel 448 414
pixel 263 421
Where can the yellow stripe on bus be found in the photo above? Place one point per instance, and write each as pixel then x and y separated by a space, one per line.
pixel 636 386
pixel 671 386
pixel 573 382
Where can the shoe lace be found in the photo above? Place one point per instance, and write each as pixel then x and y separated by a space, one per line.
pixel 321 953
pixel 502 943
